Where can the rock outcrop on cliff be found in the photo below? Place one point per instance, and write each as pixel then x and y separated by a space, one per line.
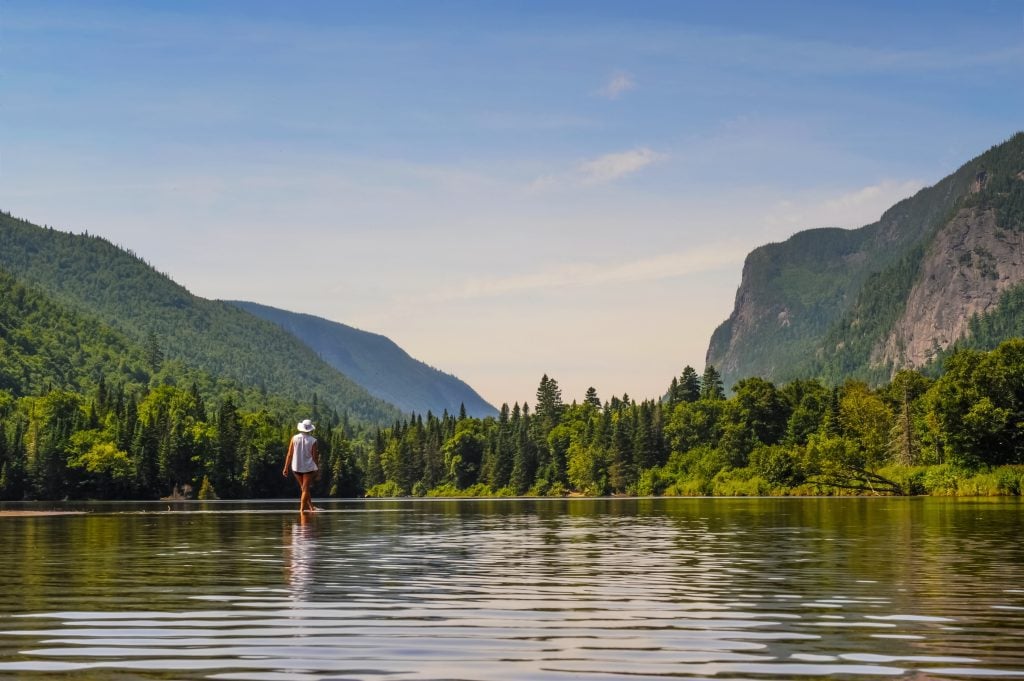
pixel 965 271
pixel 864 303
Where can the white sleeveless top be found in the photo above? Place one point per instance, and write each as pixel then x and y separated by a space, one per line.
pixel 302 453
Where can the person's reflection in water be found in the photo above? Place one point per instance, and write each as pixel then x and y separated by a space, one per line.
pixel 300 555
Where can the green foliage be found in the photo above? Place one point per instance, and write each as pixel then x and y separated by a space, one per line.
pixel 385 490
pixel 180 332
pixel 986 332
pixel 44 345
pixel 739 482
pixel 652 482
pixel 1000 183
pixel 808 403
pixel 978 406
pixel 86 411
pixel 686 388
pixel 106 468
pixel 778 465
pixel 820 302
pixel 848 344
pixel 910 479
pixel 800 438
pixel 206 491
pixel 711 384
pixel 762 409
pixel 376 363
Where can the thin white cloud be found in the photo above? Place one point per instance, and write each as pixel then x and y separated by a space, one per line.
pixel 872 197
pixel 665 266
pixel 613 166
pixel 602 170
pixel 851 209
pixel 619 82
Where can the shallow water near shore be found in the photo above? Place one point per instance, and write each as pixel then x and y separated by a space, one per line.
pixel 516 589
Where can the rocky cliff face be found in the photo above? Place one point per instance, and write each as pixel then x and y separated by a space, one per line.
pixel 966 269
pixel 790 293
pixel 863 303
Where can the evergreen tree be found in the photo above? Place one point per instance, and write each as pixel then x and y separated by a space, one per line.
pixel 154 354
pixel 711 384
pixel 500 470
pixel 645 448
pixel 374 472
pixel 621 471
pixel 224 469
pixel 523 459
pixel 6 464
pixel 198 406
pixel 591 398
pixel 343 481
pixel 672 397
pixel 690 385
pixel 832 423
pixel 549 403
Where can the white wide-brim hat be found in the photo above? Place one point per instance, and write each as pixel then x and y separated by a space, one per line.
pixel 306 426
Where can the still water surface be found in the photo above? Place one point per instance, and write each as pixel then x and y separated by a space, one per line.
pixel 523 589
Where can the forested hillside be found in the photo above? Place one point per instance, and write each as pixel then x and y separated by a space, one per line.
pixel 957 435
pixel 378 364
pixel 909 313
pixel 86 412
pixel 833 303
pixel 90 275
pixel 44 346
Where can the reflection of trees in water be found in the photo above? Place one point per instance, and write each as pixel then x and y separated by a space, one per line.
pixel 300 555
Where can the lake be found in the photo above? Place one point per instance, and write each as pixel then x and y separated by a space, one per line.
pixel 517 589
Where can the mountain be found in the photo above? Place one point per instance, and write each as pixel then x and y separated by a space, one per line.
pixel 46 345
pixel 90 276
pixel 378 364
pixel 897 293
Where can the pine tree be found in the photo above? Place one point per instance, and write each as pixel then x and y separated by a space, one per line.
pixel 198 406
pixel 5 474
pixel 154 354
pixel 523 459
pixel 592 398
pixel 549 402
pixel 832 423
pixel 225 466
pixel 672 396
pixel 689 385
pixel 621 472
pixel 504 450
pixel 374 472
pixel 711 384
pixel 645 451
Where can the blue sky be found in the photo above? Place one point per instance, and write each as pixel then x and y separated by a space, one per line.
pixel 505 189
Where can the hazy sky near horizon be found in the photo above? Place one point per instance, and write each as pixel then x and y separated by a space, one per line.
pixel 505 189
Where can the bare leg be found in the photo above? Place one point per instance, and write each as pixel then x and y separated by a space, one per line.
pixel 306 500
pixel 301 479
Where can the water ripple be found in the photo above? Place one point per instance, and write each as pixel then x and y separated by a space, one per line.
pixel 547 590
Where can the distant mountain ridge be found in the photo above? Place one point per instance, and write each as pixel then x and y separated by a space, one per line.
pixel 897 293
pixel 378 364
pixel 92 277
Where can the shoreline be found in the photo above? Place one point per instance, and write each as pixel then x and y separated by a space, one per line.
pixel 29 514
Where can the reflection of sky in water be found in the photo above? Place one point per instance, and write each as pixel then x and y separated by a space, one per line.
pixel 724 590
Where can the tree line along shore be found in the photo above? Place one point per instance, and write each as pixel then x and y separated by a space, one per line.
pixel 961 433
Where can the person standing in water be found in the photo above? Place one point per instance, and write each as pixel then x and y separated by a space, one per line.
pixel 303 459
